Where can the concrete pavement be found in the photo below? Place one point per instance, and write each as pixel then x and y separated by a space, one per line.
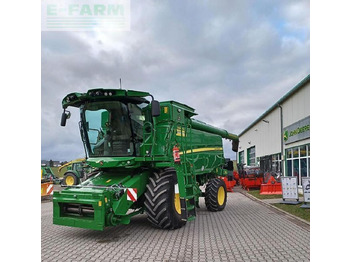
pixel 246 230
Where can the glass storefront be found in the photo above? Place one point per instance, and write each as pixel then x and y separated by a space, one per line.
pixel 298 162
pixel 271 163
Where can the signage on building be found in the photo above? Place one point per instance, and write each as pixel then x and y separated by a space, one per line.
pixel 297 131
pixel 306 188
pixel 289 187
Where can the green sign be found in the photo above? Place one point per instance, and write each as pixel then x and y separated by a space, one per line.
pixel 297 131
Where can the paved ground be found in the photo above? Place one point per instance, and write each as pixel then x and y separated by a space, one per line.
pixel 245 231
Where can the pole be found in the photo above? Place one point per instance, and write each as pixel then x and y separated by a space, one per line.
pixel 282 159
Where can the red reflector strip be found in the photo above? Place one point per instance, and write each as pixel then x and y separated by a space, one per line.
pixel 49 189
pixel 131 194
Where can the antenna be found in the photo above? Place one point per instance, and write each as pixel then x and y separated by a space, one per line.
pixel 120 83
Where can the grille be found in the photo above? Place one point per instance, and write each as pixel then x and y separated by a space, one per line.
pixel 80 210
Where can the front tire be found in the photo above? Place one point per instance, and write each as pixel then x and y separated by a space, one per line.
pixel 215 195
pixel 162 202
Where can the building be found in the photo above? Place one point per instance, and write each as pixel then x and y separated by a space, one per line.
pixel 279 140
pixel 47 163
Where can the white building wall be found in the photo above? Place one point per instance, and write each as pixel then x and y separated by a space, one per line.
pixel 297 106
pixel 266 137
pixel 263 136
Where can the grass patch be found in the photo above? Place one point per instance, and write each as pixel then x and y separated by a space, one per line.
pixel 295 210
pixel 256 193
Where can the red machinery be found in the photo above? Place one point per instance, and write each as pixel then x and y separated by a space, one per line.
pixel 272 184
pixel 236 177
pixel 251 177
pixel 229 182
pixel 230 178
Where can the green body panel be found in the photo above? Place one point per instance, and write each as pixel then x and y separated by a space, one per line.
pixel 201 158
pixel 102 188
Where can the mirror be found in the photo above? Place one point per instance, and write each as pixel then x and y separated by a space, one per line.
pixel 155 108
pixel 64 118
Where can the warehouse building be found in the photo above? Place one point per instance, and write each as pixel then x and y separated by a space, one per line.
pixel 279 140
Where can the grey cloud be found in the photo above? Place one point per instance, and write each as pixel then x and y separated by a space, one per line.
pixel 230 60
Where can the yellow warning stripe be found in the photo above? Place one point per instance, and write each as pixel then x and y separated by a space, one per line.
pixel 204 149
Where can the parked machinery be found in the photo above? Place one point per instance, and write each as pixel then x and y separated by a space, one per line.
pixel 48 175
pixel 77 172
pixel 46 181
pixel 229 178
pixel 250 177
pixel 272 184
pixel 150 157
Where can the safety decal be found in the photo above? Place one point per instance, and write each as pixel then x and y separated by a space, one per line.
pixel 49 190
pixel 131 194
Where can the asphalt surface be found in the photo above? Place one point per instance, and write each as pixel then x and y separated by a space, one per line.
pixel 246 230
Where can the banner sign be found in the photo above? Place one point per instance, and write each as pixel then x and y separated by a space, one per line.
pixel 85 15
pixel 297 131
pixel 290 187
pixel 306 188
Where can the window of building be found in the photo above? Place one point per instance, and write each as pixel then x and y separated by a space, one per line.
pixel 271 163
pixel 298 162
pixel 241 157
pixel 251 156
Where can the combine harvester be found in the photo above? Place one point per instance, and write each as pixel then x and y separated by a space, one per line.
pixel 150 157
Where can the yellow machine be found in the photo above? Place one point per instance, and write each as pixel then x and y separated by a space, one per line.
pixel 75 174
pixel 46 184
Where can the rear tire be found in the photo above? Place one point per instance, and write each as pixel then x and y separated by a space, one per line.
pixel 161 202
pixel 215 195
pixel 70 179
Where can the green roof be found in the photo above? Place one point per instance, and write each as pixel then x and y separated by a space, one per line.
pixel 284 98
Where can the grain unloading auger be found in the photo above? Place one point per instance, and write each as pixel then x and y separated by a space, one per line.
pixel 150 157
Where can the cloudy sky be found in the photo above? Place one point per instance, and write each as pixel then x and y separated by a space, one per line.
pixel 230 60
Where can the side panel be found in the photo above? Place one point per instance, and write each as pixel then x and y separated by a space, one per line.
pixel 203 150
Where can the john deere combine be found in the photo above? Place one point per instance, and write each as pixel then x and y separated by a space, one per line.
pixel 148 157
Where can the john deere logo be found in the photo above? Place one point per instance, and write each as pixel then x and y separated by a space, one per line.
pixel 285 135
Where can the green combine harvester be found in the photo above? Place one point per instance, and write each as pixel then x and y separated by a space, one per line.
pixel 147 157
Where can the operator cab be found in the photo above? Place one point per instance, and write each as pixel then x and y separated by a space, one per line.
pixel 112 120
pixel 112 128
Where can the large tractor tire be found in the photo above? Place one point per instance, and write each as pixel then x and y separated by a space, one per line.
pixel 70 179
pixel 162 200
pixel 215 195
